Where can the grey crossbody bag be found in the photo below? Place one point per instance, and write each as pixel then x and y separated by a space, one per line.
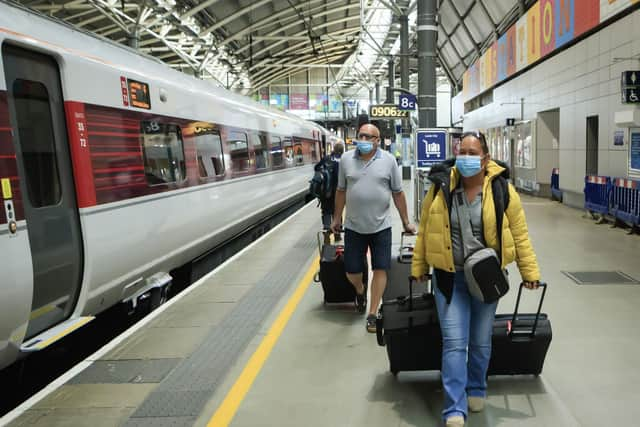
pixel 485 278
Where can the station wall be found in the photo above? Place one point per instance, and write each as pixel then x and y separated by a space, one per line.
pixel 580 82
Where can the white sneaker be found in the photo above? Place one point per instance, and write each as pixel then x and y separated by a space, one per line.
pixel 476 404
pixel 455 421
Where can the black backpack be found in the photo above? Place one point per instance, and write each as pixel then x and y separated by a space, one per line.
pixel 321 185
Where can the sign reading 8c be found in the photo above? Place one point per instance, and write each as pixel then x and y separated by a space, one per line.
pixel 386 111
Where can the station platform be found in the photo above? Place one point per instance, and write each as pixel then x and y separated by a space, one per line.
pixel 252 344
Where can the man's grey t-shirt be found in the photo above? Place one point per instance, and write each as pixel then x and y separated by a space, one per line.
pixel 369 185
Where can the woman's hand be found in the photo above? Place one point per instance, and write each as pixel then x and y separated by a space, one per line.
pixel 531 285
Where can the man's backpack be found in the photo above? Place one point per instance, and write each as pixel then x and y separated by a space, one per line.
pixel 321 185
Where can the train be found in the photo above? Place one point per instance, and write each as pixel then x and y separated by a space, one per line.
pixel 116 170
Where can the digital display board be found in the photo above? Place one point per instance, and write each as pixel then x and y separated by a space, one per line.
pixel 387 111
pixel 139 94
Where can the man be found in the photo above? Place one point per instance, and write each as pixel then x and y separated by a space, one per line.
pixel 332 163
pixel 368 178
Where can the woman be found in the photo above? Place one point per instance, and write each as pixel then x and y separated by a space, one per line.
pixel 466 322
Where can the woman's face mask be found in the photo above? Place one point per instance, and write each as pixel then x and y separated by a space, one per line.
pixel 469 165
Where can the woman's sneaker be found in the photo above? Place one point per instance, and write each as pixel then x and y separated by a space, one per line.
pixel 476 404
pixel 455 421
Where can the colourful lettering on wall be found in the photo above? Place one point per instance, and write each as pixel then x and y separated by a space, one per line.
pixel 533 33
pixel 502 59
pixel 547 25
pixel 564 21
pixel 521 43
pixel 547 33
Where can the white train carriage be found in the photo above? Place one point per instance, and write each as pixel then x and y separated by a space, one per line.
pixel 115 169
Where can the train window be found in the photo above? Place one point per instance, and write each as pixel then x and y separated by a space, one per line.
pixel 35 130
pixel 239 151
pixel 297 152
pixel 163 153
pixel 276 151
pixel 287 144
pixel 261 151
pixel 209 148
pixel 314 151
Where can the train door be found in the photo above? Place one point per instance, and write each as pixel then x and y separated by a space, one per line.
pixel 37 117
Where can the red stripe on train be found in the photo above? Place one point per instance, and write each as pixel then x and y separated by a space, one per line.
pixel 80 153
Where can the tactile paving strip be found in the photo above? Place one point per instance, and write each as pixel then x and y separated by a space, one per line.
pixel 185 391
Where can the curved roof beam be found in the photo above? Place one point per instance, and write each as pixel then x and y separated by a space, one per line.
pixel 234 16
pixel 277 76
pixel 297 46
pixel 272 20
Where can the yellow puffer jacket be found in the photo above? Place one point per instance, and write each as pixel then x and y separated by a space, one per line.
pixel 434 248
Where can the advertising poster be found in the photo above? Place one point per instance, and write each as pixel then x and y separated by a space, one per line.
pixel 618 137
pixel 634 150
pixel 299 101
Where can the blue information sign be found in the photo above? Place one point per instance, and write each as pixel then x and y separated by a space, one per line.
pixel 635 149
pixel 406 102
pixel 431 147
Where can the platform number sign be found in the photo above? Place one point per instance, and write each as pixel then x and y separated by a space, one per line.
pixel 406 102
pixel 431 147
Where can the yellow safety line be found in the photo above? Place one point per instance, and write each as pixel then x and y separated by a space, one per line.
pixel 41 311
pixel 227 410
pixel 83 321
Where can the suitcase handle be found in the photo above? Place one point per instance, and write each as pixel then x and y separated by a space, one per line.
pixel 320 238
pixel 515 312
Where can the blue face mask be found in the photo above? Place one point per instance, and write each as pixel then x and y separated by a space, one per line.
pixel 468 165
pixel 364 147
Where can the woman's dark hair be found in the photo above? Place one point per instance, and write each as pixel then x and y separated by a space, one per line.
pixel 480 136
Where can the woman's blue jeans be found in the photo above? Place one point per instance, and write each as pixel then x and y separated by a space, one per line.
pixel 466 325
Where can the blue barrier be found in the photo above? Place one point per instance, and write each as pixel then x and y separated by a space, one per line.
pixel 625 200
pixel 597 193
pixel 556 193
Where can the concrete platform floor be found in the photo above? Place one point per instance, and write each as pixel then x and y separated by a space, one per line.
pixel 327 371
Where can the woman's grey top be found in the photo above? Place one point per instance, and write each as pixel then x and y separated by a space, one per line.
pixel 475 212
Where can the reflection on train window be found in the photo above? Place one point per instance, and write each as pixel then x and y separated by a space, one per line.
pixel 297 151
pixel 314 151
pixel 35 130
pixel 276 151
pixel 261 151
pixel 209 148
pixel 288 149
pixel 163 153
pixel 239 151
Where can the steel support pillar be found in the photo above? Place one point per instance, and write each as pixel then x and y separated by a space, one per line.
pixel 427 42
pixel 392 77
pixel 404 64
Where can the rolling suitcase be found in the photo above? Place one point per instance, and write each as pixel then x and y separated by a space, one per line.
pixel 332 276
pixel 401 257
pixel 408 327
pixel 520 341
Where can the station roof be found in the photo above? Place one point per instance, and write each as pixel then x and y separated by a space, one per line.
pixel 248 44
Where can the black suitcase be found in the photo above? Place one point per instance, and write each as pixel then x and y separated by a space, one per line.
pixel 409 328
pixel 332 276
pixel 401 257
pixel 520 341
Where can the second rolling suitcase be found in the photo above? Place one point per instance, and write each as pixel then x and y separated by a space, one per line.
pixel 520 341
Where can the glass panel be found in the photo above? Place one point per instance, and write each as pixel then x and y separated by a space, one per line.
pixel 276 151
pixel 239 149
pixel 163 153
pixel 261 151
pixel 35 129
pixel 288 150
pixel 209 148
pixel 297 152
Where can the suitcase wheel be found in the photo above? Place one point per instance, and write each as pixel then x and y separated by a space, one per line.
pixel 394 372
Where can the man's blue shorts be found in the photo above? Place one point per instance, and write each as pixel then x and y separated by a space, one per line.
pixel 355 250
